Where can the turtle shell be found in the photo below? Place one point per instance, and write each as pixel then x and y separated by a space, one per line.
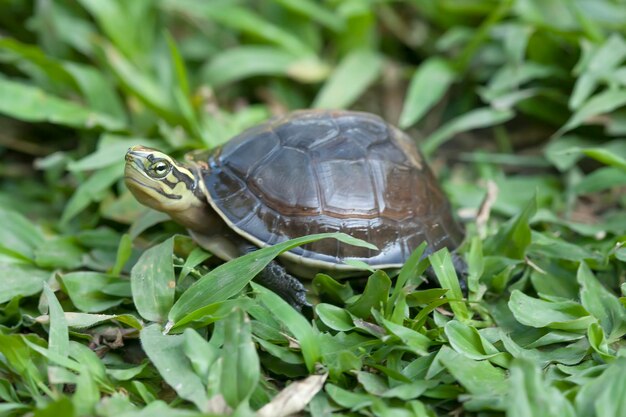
pixel 330 171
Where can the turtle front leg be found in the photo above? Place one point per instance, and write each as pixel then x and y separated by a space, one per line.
pixel 276 278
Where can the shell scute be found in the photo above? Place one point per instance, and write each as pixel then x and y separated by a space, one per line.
pixel 321 171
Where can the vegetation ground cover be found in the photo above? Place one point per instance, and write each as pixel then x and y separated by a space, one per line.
pixel 109 309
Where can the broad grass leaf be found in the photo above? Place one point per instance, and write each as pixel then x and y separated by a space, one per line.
pixel 529 395
pixel 86 395
pixel 197 256
pixel 601 103
pixel 54 357
pixel 564 152
pixel 479 378
pixel 474 119
pixel 111 150
pixel 20 360
pixel 410 272
pixel 554 337
pixel 124 252
pixel 167 353
pixel 514 236
pixel 18 236
pixel 354 74
pixel 91 190
pixel 466 340
pixel 142 85
pixel 128 373
pixel 602 304
pixel 59 252
pixel 213 312
pixel 601 179
pixel 201 353
pixel 41 64
pixel 61 406
pixel 86 320
pixel 64 29
pixel 21 281
pixel 31 104
pixel 98 91
pixel 423 297
pixel 228 279
pixel 298 326
pixel 242 62
pixel 246 21
pixel 58 334
pixel 348 398
pixel 92 377
pixel 562 315
pixel 316 12
pixel 118 20
pixel 569 354
pixel 596 66
pixel 240 363
pixel 146 395
pixel 178 65
pixel 598 342
pixel 242 20
pixel 475 265
pixel 373 384
pixel 604 395
pixel 337 291
pixel 546 245
pixel 148 219
pixel 375 296
pixel 88 359
pixel 153 282
pixel 334 317
pixel 441 262
pixel 410 390
pixel 482 34
pixel 85 289
pixel 612 401
pixel 414 341
pixel 292 364
pixel 508 79
pixel 428 85
pixel 612 153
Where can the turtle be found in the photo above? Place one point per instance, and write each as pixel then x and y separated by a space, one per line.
pixel 309 171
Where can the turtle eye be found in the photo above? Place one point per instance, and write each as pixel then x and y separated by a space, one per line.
pixel 159 169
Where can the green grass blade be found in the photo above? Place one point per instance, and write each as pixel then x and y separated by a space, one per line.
pixel 153 282
pixel 354 74
pixel 167 353
pixel 475 119
pixel 295 323
pixel 315 12
pixel 58 338
pixel 32 104
pixel 228 279
pixel 428 85
pixel 240 362
pixel 441 262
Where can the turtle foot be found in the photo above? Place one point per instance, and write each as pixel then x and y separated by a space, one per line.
pixel 276 278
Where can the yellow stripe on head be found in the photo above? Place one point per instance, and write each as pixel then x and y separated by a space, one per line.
pixel 160 182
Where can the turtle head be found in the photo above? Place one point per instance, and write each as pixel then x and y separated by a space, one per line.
pixel 160 182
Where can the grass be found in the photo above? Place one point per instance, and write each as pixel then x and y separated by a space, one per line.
pixel 109 309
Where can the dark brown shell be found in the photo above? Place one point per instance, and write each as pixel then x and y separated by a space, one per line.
pixel 322 171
